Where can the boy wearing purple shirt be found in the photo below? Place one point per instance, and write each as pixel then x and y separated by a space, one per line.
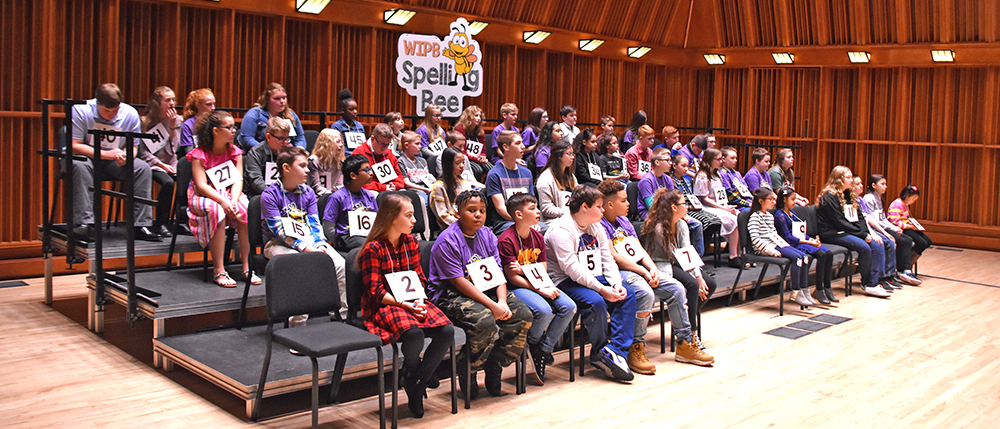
pixel 481 311
pixel 336 216
pixel 758 176
pixel 692 151
pixel 736 189
pixel 652 181
pixel 509 114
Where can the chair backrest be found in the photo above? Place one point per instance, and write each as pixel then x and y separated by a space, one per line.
pixel 425 256
pixel 415 199
pixel 321 204
pixel 355 287
pixel 808 215
pixel 632 189
pixel 432 165
pixel 741 222
pixel 310 136
pixel 255 233
pixel 184 177
pixel 301 283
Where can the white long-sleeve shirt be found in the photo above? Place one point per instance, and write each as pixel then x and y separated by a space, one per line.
pixel 565 240
pixel 763 234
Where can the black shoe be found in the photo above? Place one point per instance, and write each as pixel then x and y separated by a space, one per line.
pixel 538 360
pixel 162 230
pixel 474 389
pixel 84 233
pixel 493 372
pixel 829 295
pixel 433 383
pixel 414 394
pixel 736 262
pixel 820 296
pixel 143 233
pixel 549 359
pixel 183 229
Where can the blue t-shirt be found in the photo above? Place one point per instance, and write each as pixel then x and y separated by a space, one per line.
pixel 85 116
pixel 648 185
pixel 452 252
pixel 500 180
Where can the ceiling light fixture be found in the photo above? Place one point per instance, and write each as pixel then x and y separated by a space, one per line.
pixel 476 26
pixel 535 37
pixel 638 51
pixel 859 57
pixel 783 57
pixel 310 6
pixel 590 44
pixel 397 16
pixel 942 55
pixel 715 59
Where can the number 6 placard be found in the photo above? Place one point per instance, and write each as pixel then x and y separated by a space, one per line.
pixel 486 274
pixel 405 286
pixel 631 249
pixel 537 276
pixel 687 258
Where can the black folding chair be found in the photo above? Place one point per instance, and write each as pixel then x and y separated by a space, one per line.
pixel 749 256
pixel 258 262
pixel 808 215
pixel 305 283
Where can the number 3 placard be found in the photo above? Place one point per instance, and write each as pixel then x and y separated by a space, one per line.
pixel 359 222
pixel 486 274
pixel 405 286
pixel 224 175
pixel 537 276
pixel 688 258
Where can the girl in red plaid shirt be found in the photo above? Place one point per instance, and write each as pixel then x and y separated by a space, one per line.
pixel 391 252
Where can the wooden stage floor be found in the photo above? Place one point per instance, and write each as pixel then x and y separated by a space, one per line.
pixel 927 357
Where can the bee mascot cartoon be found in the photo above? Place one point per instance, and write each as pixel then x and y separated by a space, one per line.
pixel 460 49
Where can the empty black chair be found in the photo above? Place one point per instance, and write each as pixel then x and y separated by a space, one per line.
pixel 632 189
pixel 749 256
pixel 310 136
pixel 304 283
pixel 258 262
pixel 432 165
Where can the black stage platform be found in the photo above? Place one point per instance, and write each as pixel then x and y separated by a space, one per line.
pixel 232 359
pixel 114 243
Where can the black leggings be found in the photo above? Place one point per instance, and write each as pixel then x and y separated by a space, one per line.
pixel 904 250
pixel 824 268
pixel 691 285
pixel 441 337
pixel 165 199
pixel 920 240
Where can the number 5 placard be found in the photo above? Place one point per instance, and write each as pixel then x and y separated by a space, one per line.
pixel 405 286
pixel 359 222
pixel 486 274
pixel 687 258
pixel 537 276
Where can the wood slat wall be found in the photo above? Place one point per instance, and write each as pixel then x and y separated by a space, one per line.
pixel 937 127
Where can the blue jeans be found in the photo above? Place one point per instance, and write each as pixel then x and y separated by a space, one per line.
pixel 697 233
pixel 594 317
pixel 551 317
pixel 644 300
pixel 674 294
pixel 871 257
pixel 889 247
pixel 800 267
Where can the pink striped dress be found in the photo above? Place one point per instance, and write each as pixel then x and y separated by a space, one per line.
pixel 205 214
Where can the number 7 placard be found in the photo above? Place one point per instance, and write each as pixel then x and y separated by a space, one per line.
pixel 486 274
pixel 687 257
pixel 405 286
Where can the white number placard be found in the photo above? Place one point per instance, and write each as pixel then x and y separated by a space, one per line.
pixel 645 167
pixel 720 195
pixel 916 224
pixel 294 228
pixel 595 171
pixel 437 146
pixel 384 172
pixel 359 222
pixel 427 179
pixel 164 137
pixel 324 180
pixel 405 286
pixel 537 276
pixel 467 175
pixel 696 164
pixel 799 230
pixel 108 142
pixel 851 213
pixel 564 197
pixel 694 201
pixel 223 175
pixel 687 257
pixel 741 188
pixel 270 173
pixel 510 192
pixel 353 139
pixel 194 140
pixel 631 248
pixel 591 262
pixel 486 273
pixel 291 128
pixel 474 149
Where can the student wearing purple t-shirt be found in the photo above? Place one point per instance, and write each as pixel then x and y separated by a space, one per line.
pixel 290 203
pixel 757 176
pixel 198 102
pixel 653 180
pixel 481 310
pixel 521 246
pixel 336 216
pixel 736 188
pixel 693 152
pixel 509 114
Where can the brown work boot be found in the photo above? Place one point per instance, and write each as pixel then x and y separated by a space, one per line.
pixel 688 352
pixel 637 360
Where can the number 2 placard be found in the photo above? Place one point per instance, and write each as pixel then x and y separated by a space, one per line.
pixel 486 274
pixel 405 286
pixel 223 175
pixel 270 173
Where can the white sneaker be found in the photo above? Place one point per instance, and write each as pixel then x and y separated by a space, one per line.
pixel 876 291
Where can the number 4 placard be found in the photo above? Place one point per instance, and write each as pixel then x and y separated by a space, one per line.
pixel 405 286
pixel 486 273
pixel 537 276
pixel 688 258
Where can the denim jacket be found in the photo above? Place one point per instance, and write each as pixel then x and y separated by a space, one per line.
pixel 254 126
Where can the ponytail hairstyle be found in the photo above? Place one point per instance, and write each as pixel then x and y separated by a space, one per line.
pixel 638 120
pixel 872 180
pixel 580 139
pixel 783 194
pixel 195 98
pixel 448 171
pixel 760 194
pixel 908 191
pixel 779 158
pixel 706 162
pixel 436 132
pixel 343 98
pixel 153 114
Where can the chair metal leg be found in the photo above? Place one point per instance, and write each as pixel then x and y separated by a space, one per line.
pixel 663 335
pixel 241 316
pixel 733 291
pixel 760 279
pixel 173 244
pixel 255 414
pixel 338 373
pixel 583 346
pixel 468 377
pixel 454 381
pixel 572 347
pixel 395 385
pixel 781 289
pixel 381 383
pixel 315 392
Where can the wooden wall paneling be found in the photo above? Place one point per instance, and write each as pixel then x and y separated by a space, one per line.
pixel 350 45
pixel 608 90
pixel 785 23
pixel 306 63
pixel 530 83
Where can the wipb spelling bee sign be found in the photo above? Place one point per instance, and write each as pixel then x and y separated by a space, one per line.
pixel 440 71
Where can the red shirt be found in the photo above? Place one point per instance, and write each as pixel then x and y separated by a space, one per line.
pixel 366 150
